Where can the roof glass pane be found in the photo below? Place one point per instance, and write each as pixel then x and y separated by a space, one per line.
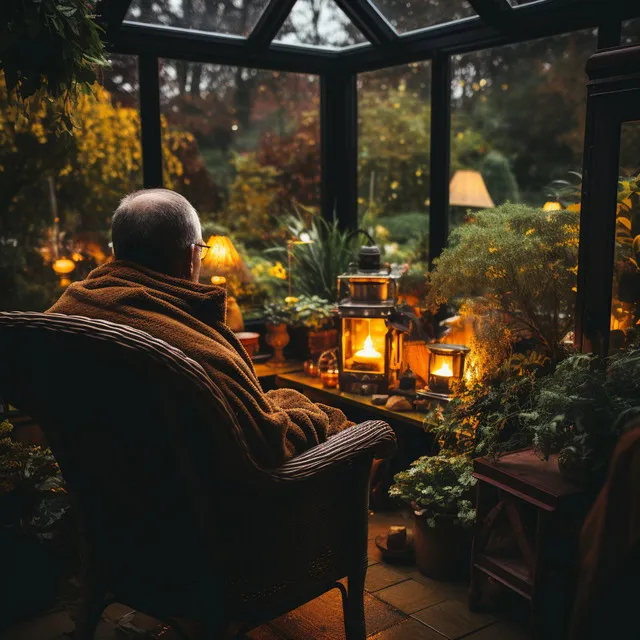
pixel 319 23
pixel 237 17
pixel 410 15
pixel 519 3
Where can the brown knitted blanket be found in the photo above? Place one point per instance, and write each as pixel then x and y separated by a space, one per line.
pixel 277 425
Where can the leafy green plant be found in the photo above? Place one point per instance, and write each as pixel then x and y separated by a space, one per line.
pixel 52 46
pixel 30 483
pixel 312 312
pixel 517 264
pixel 317 265
pixel 438 487
pixel 485 417
pixel 580 409
pixel 279 311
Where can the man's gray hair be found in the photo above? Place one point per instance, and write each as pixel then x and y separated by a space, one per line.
pixel 152 227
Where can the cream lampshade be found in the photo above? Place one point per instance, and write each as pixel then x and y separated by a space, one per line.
pixel 467 189
pixel 222 261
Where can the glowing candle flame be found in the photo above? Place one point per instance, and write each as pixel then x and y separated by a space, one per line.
pixel 368 353
pixel 445 371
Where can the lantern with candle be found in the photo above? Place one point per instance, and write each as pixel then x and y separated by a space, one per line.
pixel 370 345
pixel 446 369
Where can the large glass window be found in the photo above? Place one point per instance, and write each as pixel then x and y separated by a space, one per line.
pixel 521 132
pixel 246 144
pixel 517 136
pixel 57 192
pixel 625 309
pixel 394 120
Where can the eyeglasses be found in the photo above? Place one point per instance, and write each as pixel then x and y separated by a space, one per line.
pixel 204 248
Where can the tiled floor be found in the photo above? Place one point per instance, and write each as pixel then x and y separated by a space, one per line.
pixel 400 604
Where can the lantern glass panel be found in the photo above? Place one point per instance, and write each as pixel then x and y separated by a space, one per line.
pixel 445 365
pixel 363 344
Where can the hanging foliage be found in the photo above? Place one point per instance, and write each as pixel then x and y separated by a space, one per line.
pixel 51 48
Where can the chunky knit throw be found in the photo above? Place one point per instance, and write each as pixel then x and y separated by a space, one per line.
pixel 191 316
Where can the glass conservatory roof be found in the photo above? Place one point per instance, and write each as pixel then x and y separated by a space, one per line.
pixel 235 17
pixel 319 23
pixel 411 15
pixel 363 31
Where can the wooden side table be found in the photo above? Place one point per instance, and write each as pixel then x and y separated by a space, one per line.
pixel 528 521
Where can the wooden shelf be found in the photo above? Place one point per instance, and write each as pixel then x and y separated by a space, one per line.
pixel 511 572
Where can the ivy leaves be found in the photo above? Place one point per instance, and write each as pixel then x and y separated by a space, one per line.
pixel 49 48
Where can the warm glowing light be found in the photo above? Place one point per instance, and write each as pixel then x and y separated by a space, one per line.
pixel 219 280
pixel 62 266
pixel 444 371
pixel 234 127
pixel 552 206
pixel 368 353
pixel 223 260
pixel 64 282
pixel 77 257
pixel 291 299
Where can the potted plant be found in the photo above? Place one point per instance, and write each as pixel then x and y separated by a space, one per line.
pixel 316 316
pixel 33 502
pixel 277 315
pixel 580 409
pixel 439 490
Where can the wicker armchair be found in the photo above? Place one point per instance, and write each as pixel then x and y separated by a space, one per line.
pixel 178 520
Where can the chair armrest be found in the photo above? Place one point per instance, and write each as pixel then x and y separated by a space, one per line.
pixel 373 436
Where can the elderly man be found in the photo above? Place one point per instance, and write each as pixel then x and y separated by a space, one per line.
pixel 153 285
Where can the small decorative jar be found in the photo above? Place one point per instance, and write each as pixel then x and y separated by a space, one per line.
pixel 328 368
pixel 311 368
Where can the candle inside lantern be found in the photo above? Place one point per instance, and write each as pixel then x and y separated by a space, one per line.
pixel 368 354
pixel 445 371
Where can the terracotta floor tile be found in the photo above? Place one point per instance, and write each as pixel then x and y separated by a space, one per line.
pixel 408 630
pixel 322 618
pixel 453 590
pixel 382 575
pixel 453 619
pixel 411 596
pixel 45 627
pixel 375 555
pixel 499 631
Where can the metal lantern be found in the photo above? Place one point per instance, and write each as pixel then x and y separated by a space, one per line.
pixel 370 343
pixel 446 369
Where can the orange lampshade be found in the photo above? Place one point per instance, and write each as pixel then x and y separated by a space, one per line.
pixel 62 266
pixel 467 189
pixel 552 206
pixel 223 260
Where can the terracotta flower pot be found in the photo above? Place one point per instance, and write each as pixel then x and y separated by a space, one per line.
pixel 442 552
pixel 278 338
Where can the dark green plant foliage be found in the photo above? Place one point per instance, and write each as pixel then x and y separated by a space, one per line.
pixel 404 228
pixel 50 45
pixel 500 181
pixel 485 418
pixel 316 266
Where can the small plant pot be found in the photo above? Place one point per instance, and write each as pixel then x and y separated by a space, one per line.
pixel 442 552
pixel 277 338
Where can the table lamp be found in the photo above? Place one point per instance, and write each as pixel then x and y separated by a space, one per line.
pixel 221 261
pixel 467 189
pixel 303 238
